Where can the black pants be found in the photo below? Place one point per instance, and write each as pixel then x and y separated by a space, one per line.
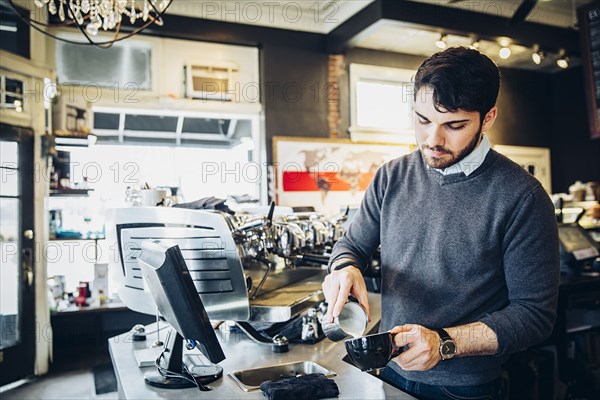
pixel 487 391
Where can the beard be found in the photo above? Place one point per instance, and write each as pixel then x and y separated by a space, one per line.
pixel 443 163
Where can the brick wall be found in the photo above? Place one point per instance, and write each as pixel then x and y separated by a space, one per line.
pixel 336 71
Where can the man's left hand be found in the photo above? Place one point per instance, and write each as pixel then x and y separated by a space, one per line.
pixel 423 347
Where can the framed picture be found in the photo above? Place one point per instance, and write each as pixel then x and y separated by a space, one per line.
pixel 327 174
pixel 536 160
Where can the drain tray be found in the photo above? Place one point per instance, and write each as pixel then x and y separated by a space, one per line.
pixel 250 379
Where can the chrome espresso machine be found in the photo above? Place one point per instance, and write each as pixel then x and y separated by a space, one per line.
pixel 246 268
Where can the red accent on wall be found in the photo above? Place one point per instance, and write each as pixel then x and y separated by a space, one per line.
pixel 294 181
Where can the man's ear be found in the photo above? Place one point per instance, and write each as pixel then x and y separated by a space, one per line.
pixel 489 119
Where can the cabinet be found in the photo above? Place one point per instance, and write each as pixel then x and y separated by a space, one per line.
pixel 576 333
pixel 74 252
pixel 87 331
pixel 63 181
pixel 571 353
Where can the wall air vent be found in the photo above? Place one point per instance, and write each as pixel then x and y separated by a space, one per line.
pixel 210 80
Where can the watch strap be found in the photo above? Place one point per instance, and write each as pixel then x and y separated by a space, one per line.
pixel 443 334
pixel 345 264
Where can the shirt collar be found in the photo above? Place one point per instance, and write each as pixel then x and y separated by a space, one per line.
pixel 471 162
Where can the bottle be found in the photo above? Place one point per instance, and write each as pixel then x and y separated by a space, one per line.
pixel 53 178
pixel 128 196
pixel 136 197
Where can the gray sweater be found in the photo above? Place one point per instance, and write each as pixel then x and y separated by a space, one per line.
pixel 457 249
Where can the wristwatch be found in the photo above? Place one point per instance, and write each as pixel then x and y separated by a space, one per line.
pixel 447 345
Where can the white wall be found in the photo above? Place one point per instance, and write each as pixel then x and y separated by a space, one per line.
pixel 169 56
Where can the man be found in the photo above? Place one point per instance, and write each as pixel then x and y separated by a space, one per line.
pixel 469 243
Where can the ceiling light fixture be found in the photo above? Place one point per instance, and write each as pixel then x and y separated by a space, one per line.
pixel 537 56
pixel 504 41
pixel 442 43
pixel 89 16
pixel 475 44
pixel 563 60
pixel 504 53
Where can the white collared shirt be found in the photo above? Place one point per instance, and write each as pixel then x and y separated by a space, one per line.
pixel 471 162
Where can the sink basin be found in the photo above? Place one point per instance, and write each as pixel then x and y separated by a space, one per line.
pixel 250 379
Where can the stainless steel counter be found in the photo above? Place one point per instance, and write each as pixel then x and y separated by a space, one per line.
pixel 242 353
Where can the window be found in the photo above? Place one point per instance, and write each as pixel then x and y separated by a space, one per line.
pixel 14 33
pixel 126 64
pixel 377 106
pixel 382 104
pixel 11 94
pixel 150 123
pixel 167 127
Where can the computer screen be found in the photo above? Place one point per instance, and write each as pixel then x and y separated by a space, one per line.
pixel 176 297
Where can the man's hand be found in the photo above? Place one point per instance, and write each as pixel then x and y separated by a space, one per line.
pixel 474 339
pixel 423 347
pixel 338 285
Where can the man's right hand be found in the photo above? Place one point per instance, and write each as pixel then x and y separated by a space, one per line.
pixel 341 283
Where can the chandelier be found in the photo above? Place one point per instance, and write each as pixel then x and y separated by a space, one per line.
pixel 91 16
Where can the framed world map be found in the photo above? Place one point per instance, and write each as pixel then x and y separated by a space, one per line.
pixel 327 174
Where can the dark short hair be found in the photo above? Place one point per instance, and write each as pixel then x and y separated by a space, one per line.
pixel 461 78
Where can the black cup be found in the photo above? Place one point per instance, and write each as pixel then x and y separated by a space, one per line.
pixel 372 351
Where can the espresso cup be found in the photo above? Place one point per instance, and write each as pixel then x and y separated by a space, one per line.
pixel 372 351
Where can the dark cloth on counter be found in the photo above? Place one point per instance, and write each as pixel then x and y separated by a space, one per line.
pixel 207 203
pixel 291 329
pixel 304 387
pixel 457 249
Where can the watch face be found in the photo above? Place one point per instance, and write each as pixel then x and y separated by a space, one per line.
pixel 448 349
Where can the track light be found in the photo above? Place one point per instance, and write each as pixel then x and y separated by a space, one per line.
pixel 563 60
pixel 504 41
pixel 537 56
pixel 504 53
pixel 442 43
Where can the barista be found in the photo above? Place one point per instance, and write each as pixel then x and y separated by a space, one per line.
pixel 469 245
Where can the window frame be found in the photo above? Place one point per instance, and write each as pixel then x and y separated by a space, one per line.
pixel 384 75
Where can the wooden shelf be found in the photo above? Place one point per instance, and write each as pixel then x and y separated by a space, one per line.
pixel 77 239
pixel 70 192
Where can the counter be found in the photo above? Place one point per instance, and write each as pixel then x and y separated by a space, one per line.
pixel 242 353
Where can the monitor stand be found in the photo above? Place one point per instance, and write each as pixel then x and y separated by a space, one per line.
pixel 173 361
